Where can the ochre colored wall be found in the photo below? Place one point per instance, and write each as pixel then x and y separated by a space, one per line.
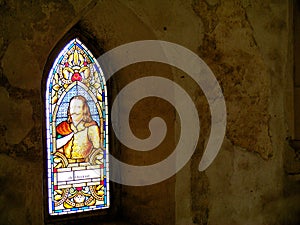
pixel 247 44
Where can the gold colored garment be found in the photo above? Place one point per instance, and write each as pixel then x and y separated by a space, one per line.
pixel 86 138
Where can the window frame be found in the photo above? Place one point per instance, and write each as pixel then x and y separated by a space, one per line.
pixel 94 215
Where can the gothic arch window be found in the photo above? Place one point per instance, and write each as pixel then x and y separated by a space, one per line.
pixel 76 133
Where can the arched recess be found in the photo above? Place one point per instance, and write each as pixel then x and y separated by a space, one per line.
pixel 76 162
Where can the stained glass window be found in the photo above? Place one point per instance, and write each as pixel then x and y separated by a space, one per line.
pixel 77 135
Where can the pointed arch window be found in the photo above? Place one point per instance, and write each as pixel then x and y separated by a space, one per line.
pixel 76 133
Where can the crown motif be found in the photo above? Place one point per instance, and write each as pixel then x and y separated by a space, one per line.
pixel 76 65
pixel 76 68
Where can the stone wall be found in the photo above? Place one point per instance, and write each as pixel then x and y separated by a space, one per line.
pixel 248 46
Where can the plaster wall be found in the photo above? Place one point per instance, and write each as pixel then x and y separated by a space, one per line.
pixel 248 46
